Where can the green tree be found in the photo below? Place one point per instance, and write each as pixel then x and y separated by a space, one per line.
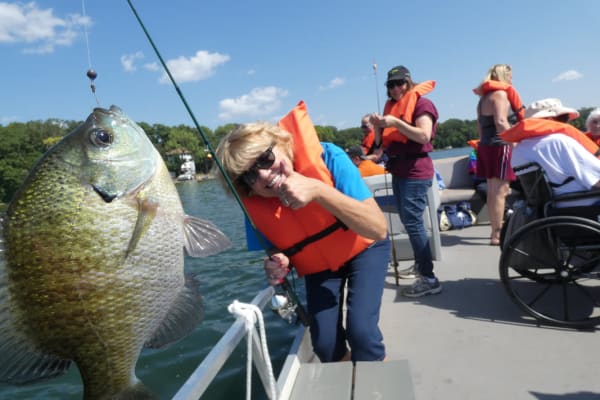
pixel 326 133
pixel 454 133
pixel 348 137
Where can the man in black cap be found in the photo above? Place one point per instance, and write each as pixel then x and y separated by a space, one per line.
pixel 365 166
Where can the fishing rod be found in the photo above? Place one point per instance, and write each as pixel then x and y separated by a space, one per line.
pixel 285 285
pixel 394 256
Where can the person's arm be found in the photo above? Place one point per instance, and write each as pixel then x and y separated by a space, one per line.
pixel 363 217
pixel 420 133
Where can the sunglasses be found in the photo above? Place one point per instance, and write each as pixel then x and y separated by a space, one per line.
pixel 264 161
pixel 392 84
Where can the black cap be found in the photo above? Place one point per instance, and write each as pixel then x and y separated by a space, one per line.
pixel 397 73
pixel 356 151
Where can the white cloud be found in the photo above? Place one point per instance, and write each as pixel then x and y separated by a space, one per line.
pixel 153 66
pixel 39 29
pixel 259 102
pixel 570 75
pixel 335 82
pixel 196 68
pixel 128 61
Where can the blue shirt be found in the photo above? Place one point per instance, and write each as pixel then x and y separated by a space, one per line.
pixel 346 179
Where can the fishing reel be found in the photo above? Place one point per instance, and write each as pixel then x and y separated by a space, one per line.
pixel 283 305
pixel 286 304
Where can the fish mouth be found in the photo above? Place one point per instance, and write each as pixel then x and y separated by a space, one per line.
pixel 107 197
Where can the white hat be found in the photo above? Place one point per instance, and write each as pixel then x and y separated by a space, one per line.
pixel 549 108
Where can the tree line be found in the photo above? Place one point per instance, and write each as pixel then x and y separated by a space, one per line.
pixel 22 144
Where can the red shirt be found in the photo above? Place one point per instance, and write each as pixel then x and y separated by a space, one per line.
pixel 411 159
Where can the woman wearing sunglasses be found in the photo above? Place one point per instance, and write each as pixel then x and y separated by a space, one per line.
pixel 405 130
pixel 317 215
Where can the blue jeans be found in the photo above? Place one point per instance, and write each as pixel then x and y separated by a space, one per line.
pixel 411 200
pixel 365 275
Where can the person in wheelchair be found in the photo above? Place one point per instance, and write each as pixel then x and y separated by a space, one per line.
pixel 592 123
pixel 568 157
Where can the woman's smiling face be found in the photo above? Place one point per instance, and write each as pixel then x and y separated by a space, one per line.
pixel 270 178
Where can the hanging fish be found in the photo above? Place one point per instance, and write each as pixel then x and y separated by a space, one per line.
pixel 92 264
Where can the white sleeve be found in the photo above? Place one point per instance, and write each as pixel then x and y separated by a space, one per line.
pixel 579 163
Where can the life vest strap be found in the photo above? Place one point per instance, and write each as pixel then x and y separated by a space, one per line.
pixel 296 248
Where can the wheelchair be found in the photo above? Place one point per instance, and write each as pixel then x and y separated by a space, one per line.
pixel 550 255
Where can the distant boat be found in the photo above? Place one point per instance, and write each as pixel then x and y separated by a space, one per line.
pixel 187 168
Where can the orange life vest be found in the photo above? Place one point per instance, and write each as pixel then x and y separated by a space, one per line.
pixel 513 96
pixel 404 109
pixel 533 127
pixel 287 229
pixel 474 143
pixel 367 141
pixel 370 168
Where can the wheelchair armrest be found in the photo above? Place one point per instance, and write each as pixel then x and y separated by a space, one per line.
pixel 576 195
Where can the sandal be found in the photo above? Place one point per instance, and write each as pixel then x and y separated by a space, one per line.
pixel 494 242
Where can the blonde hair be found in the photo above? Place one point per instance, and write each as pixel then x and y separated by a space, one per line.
pixel 498 72
pixel 592 115
pixel 238 150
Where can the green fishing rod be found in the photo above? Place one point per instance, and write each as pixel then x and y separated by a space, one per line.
pixel 394 256
pixel 285 284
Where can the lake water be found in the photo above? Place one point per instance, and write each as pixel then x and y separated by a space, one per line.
pixel 235 274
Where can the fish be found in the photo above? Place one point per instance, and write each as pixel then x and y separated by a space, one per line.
pixel 92 250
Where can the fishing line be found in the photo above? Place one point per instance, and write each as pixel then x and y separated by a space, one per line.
pixel 302 315
pixel 376 86
pixel 385 181
pixel 91 74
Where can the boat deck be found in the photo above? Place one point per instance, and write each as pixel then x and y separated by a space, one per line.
pixel 472 342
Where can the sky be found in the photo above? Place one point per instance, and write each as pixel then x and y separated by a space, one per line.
pixel 248 60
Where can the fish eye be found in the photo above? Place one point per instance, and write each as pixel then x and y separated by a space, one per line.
pixel 101 138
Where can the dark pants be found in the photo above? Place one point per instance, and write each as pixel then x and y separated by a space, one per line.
pixel 365 275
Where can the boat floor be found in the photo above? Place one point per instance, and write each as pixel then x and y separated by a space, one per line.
pixel 472 342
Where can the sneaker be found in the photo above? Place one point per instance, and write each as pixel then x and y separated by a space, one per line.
pixel 409 273
pixel 422 287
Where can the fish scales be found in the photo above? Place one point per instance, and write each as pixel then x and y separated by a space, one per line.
pixel 91 280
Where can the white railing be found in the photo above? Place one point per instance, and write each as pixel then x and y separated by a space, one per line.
pixel 202 377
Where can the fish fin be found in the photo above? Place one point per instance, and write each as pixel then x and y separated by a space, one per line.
pixel 20 361
pixel 203 238
pixel 183 316
pixel 146 212
pixel 21 364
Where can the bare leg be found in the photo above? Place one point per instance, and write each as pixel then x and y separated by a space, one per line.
pixel 496 197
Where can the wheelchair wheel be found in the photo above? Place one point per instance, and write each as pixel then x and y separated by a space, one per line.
pixel 551 269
